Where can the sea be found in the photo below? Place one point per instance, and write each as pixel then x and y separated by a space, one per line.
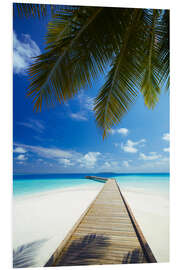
pixel 36 183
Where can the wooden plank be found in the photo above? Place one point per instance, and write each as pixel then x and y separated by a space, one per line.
pixel 146 248
pixel 106 233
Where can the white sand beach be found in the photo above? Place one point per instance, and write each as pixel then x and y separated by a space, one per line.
pixel 152 214
pixel 42 221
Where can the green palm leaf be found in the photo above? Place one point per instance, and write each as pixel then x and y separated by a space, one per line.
pixel 35 10
pixel 80 44
pixel 75 54
pixel 137 67
pixel 151 62
pixel 31 10
pixel 119 91
pixel 164 50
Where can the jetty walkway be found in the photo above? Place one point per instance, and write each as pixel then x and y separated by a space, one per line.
pixel 106 233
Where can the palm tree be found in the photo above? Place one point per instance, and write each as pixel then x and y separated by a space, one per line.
pixel 34 10
pixel 128 45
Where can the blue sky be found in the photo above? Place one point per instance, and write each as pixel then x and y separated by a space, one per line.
pixel 65 139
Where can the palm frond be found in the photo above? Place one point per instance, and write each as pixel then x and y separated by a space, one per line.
pixel 82 41
pixel 152 64
pixel 31 10
pixel 164 54
pixel 119 91
pixel 78 48
pixel 37 10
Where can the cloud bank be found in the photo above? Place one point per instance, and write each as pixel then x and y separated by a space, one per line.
pixel 23 52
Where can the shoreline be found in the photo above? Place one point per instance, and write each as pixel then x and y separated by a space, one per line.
pixel 34 219
pixel 36 224
pixel 54 191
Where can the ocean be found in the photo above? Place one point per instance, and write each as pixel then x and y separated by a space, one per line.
pixel 32 184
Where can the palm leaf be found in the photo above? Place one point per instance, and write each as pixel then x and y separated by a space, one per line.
pixel 151 62
pixel 164 50
pixel 80 44
pixel 31 10
pixel 35 10
pixel 75 53
pixel 119 91
pixel 137 67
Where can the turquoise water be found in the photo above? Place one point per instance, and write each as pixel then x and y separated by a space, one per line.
pixel 156 183
pixel 31 184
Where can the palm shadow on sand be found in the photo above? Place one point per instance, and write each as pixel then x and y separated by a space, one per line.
pixel 25 255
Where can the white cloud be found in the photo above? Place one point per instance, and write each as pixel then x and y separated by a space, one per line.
pixel 23 51
pixel 166 149
pixel 125 163
pixel 166 136
pixel 123 131
pixel 36 125
pixel 107 164
pixel 53 153
pixel 151 156
pixel 66 158
pixel 66 162
pixel 50 152
pixel 85 101
pixel 89 160
pixel 85 107
pixel 129 146
pixel 20 150
pixel 21 157
pixel 69 158
pixel 78 116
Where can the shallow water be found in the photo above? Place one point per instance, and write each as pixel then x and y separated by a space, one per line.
pixel 158 184
pixel 28 184
pixel 35 185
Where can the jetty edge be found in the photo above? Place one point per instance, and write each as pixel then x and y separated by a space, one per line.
pixel 106 233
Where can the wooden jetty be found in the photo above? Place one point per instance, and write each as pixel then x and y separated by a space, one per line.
pixel 106 233
pixel 97 178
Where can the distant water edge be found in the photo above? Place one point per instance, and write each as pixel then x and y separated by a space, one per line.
pixel 82 175
pixel 35 183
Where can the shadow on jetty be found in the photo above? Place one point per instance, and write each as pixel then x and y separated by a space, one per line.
pixel 89 249
pixel 81 251
pixel 134 256
pixel 25 255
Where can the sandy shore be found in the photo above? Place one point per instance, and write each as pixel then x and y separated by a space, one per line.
pixel 152 214
pixel 41 221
